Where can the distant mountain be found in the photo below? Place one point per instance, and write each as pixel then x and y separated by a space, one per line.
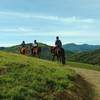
pixel 80 48
pixel 2 48
pixel 91 57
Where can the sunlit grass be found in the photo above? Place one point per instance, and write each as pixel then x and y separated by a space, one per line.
pixel 25 78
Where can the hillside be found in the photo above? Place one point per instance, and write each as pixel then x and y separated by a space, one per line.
pixel 72 47
pixel 80 48
pixel 45 54
pixel 92 57
pixel 27 78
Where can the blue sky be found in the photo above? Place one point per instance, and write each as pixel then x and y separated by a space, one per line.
pixel 76 21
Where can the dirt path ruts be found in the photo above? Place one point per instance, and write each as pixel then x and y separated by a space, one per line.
pixel 93 77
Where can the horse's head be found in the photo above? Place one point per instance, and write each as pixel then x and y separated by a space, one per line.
pixel 52 49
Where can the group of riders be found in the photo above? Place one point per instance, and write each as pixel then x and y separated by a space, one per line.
pixel 57 50
pixel 58 43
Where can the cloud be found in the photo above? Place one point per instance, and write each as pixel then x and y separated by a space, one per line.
pixel 72 19
pixel 20 29
pixel 23 31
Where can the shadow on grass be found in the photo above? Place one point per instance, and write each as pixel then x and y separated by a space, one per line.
pixel 82 91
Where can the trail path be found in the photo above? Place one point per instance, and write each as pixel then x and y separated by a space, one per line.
pixel 93 77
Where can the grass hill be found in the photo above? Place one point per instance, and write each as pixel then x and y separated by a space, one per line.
pixel 27 78
pixel 92 57
pixel 80 48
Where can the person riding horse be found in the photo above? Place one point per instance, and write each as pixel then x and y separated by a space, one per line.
pixel 58 42
pixel 23 44
pixel 58 51
pixel 35 49
pixel 35 45
pixel 23 49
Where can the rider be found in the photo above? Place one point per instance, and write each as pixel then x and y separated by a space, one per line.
pixel 35 44
pixel 23 44
pixel 58 42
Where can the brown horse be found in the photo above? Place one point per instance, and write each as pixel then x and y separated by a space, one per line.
pixel 59 53
pixel 24 50
pixel 35 51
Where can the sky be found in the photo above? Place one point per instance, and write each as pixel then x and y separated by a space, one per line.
pixel 74 21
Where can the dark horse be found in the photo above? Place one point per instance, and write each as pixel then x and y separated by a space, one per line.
pixel 35 51
pixel 24 50
pixel 59 53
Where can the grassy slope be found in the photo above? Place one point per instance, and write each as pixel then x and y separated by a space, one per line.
pixel 23 77
pixel 26 78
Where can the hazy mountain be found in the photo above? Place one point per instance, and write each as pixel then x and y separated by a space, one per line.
pixel 91 57
pixel 80 48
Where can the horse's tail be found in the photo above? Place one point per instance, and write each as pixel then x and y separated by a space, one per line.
pixel 63 56
pixel 39 49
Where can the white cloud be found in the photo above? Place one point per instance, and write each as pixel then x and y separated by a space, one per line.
pixel 20 29
pixel 30 32
pixel 72 19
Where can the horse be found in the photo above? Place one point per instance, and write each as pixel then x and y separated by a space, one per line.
pixel 59 53
pixel 35 51
pixel 23 50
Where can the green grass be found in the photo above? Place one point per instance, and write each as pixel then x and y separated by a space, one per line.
pixel 27 78
pixel 83 65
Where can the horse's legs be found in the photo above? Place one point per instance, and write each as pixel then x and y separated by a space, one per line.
pixel 53 58
pixel 63 60
pixel 58 58
pixel 38 52
pixel 37 55
pixel 31 51
pixel 63 57
pixel 34 54
pixel 24 52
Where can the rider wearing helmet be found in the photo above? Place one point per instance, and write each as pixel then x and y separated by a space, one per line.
pixel 58 42
pixel 35 44
pixel 23 44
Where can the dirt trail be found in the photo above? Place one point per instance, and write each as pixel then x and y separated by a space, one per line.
pixel 93 77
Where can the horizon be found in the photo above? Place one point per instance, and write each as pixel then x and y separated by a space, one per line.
pixel 42 20
pixel 50 44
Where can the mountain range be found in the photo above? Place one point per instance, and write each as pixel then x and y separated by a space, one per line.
pixel 80 48
pixel 90 57
pixel 68 47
